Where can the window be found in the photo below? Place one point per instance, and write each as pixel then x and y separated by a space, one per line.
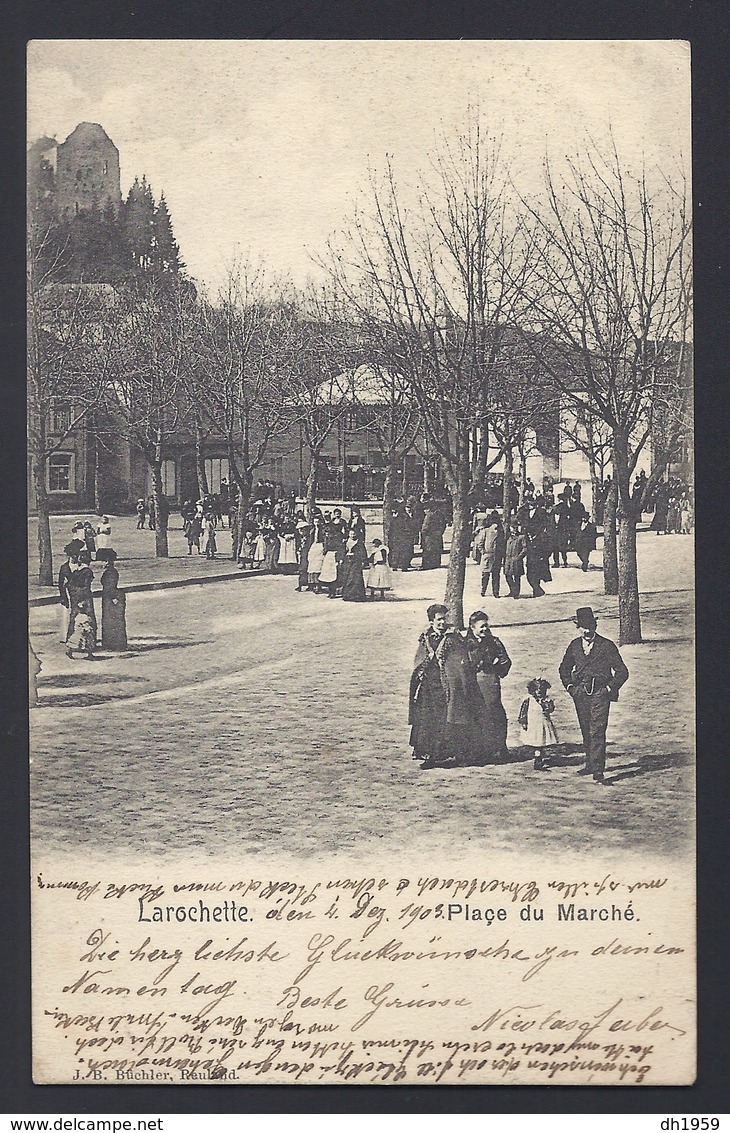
pixel 216 469
pixel 61 472
pixel 60 416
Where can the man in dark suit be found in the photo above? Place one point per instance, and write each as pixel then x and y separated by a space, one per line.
pixel 592 671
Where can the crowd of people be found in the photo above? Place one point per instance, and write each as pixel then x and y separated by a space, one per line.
pixel 539 536
pixel 455 700
pixel 330 553
pixel 673 508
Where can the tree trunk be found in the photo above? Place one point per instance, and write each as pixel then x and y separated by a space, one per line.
pixel 244 498
pixel 45 551
pixel 460 538
pixel 596 484
pixel 158 495
pixel 480 461
pixel 98 502
pixel 312 485
pixel 389 496
pixel 200 463
pixel 610 552
pixel 523 477
pixel 507 484
pixel 628 581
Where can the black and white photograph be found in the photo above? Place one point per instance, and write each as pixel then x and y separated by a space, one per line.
pixel 361 561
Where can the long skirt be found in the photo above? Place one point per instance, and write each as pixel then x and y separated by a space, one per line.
pixel 494 720
pixel 64 621
pixel 379 577
pixel 315 558
pixel 328 572
pixel 428 716
pixel 114 620
pixel 92 614
pixel 432 551
pixel 288 562
pixel 353 586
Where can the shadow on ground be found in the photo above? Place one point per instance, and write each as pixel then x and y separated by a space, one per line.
pixel 71 680
pixel 645 765
pixel 81 699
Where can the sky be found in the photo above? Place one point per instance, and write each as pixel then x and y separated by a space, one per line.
pixel 263 148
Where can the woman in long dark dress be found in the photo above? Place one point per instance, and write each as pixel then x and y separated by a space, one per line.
pixel 113 609
pixel 79 590
pixel 354 563
pixel 357 523
pixel 491 663
pixel 432 538
pixel 427 703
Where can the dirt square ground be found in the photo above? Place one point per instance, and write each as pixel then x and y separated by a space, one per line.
pixel 248 717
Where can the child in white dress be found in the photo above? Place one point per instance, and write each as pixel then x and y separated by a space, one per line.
pixel 535 718
pixel 83 639
pixel 379 576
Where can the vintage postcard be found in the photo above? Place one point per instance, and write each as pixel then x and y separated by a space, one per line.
pixel 361 594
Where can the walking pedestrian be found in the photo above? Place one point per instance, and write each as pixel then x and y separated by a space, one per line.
pixel 514 558
pixel 113 608
pixel 304 542
pixel 194 531
pixel 592 671
pixel 103 539
pixel 538 570
pixel 402 538
pixel 432 536
pixel 493 546
pixel 83 636
pixel 355 561
pixel 79 588
pixel 141 509
pixel 379 576
pixel 315 556
pixel 211 547
pixel 427 702
pixel 535 719
pixel 585 542
pixel 491 663
pixel 357 523
pixel 65 573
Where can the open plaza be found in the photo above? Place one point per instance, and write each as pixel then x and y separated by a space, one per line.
pixel 248 718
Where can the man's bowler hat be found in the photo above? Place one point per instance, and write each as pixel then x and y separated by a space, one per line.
pixel 585 618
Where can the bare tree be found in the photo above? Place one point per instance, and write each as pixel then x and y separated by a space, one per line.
pixel 590 435
pixel 146 397
pixel 383 406
pixel 238 388
pixel 71 342
pixel 521 398
pixel 319 349
pixel 612 292
pixel 442 278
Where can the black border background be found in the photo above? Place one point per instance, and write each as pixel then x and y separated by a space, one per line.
pixel 706 26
